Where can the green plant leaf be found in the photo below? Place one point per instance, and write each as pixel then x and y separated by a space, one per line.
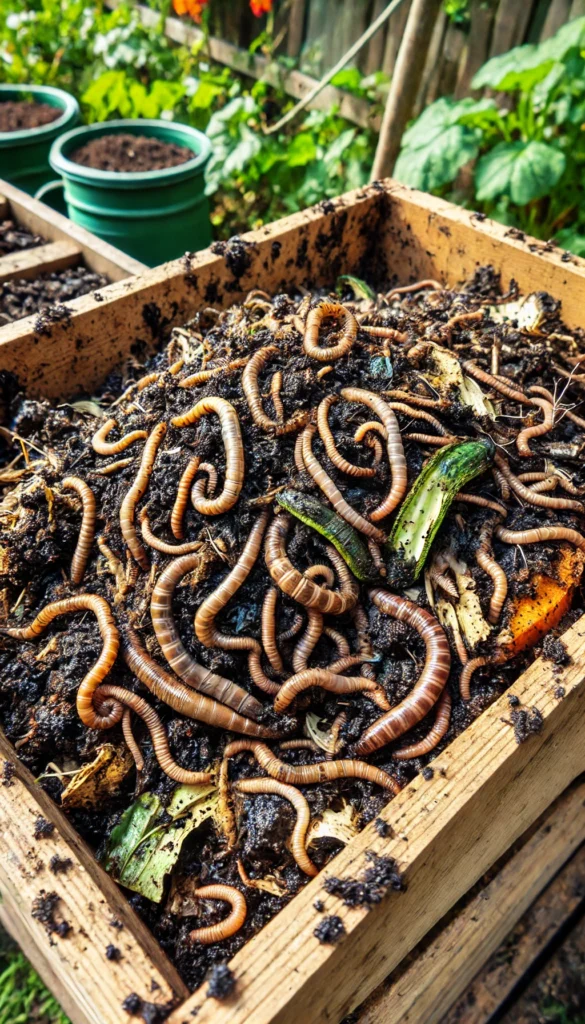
pixel 519 68
pixel 572 239
pixel 521 170
pixel 437 164
pixel 301 150
pixel 360 289
pixel 144 846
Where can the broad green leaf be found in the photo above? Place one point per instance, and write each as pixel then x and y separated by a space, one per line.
pixel 435 165
pixel 572 239
pixel 144 846
pixel 522 171
pixel 301 150
pixel 519 68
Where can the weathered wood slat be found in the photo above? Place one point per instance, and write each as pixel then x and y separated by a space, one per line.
pixel 485 792
pixel 426 990
pixel 42 220
pixel 89 986
pixel 3 207
pixel 296 22
pixel 539 928
pixel 42 259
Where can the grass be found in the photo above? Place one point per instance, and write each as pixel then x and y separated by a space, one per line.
pixel 23 997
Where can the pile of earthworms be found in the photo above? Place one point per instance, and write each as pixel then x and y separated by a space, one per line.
pixel 155 508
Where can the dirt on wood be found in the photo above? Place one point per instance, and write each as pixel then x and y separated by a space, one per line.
pixel 14 238
pixel 25 297
pixel 16 115
pixel 130 153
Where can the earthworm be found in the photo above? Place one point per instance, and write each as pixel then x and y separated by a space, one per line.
pixel 502 483
pixel 321 571
pixel 297 585
pixel 565 483
pixel 288 634
pixel 251 389
pixel 162 545
pixel 103 447
pixel 430 683
pixel 230 924
pixel 530 496
pixel 308 774
pixel 308 641
pixel 332 492
pixel 385 332
pixel 183 699
pixel 485 559
pixel 205 629
pixel 434 736
pixel 339 640
pixel 137 492
pixel 234 452
pixel 538 429
pixel 375 444
pixel 202 487
pixel 315 317
pixel 181 662
pixel 438 576
pixel 421 414
pixel 537 390
pixel 98 671
pixel 541 534
pixel 268 629
pixel 157 732
pixel 496 383
pixel 475 663
pixel 87 531
pixel 113 467
pixel 202 376
pixel 417 287
pixel 461 318
pixel 327 679
pixel 301 743
pixel 550 484
pixel 323 371
pixel 187 477
pixel 130 741
pixel 225 811
pixel 438 442
pixel 394 447
pixel 297 846
pixel 478 499
pixel 336 727
pixel 116 568
pixel 275 389
pixel 424 403
pixel 298 455
pixel 364 643
pixel 329 442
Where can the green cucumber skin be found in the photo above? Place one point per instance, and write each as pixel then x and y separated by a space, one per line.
pixel 330 525
pixel 447 471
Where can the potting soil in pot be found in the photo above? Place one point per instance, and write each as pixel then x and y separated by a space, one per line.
pixel 125 153
pixel 21 114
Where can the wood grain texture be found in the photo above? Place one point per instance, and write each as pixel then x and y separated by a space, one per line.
pixel 539 927
pixel 90 987
pixel 485 792
pixel 54 227
pixel 426 990
pixel 43 259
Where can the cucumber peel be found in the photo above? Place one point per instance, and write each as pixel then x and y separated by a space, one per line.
pixel 329 524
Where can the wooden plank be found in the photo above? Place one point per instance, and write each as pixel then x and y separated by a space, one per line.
pixel 296 25
pixel 375 49
pixel 42 259
pixel 558 14
pixel 430 75
pixel 486 790
pixel 538 929
pixel 478 45
pixel 453 46
pixel 89 986
pixel 577 9
pixel 510 26
pixel 39 218
pixel 294 83
pixel 428 987
pixel 3 207
pixel 394 33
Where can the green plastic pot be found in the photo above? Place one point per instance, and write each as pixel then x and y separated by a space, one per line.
pixel 152 215
pixel 24 155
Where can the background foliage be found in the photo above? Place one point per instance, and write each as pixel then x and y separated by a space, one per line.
pixel 520 155
pixel 118 68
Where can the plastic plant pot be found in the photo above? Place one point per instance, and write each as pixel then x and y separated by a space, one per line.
pixel 24 155
pixel 152 215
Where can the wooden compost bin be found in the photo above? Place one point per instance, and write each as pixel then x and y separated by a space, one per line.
pixel 66 244
pixel 445 832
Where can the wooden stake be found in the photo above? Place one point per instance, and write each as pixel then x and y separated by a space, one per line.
pixel 405 83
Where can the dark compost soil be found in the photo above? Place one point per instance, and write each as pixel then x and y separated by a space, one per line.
pixel 125 153
pixel 47 293
pixel 39 524
pixel 18 114
pixel 14 238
